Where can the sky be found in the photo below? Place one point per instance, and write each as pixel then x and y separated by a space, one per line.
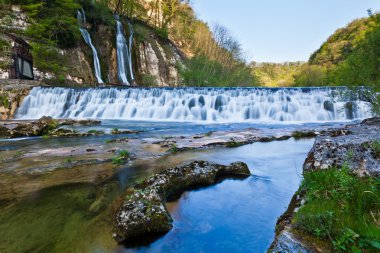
pixel 282 30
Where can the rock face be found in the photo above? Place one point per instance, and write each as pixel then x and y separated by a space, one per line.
pixel 357 146
pixel 11 96
pixel 158 63
pixel 144 212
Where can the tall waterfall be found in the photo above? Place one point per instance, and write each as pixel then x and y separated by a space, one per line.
pixel 124 53
pixel 191 104
pixel 81 15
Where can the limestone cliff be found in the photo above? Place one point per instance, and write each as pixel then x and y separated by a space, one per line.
pixel 155 60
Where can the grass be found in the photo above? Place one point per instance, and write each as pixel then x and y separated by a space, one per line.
pixel 376 148
pixel 341 208
pixel 121 158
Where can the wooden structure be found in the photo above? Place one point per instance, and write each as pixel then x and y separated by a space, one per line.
pixel 20 58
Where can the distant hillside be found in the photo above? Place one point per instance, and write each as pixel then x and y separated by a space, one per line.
pixel 276 74
pixel 350 57
pixel 343 42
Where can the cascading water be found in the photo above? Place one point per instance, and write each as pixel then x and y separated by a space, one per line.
pixel 192 104
pixel 124 53
pixel 81 15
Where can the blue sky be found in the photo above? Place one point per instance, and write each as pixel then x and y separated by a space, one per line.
pixel 282 30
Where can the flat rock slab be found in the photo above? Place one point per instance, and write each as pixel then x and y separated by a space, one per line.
pixel 43 126
pixel 144 212
pixel 353 146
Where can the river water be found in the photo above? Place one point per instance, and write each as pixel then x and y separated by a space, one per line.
pixel 236 215
pixel 232 216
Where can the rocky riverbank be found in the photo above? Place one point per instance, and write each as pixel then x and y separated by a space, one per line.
pixel 144 213
pixel 355 148
pixel 43 126
pixel 12 93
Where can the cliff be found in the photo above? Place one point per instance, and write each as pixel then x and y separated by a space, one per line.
pixel 156 60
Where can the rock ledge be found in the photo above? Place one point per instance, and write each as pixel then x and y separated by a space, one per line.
pixel 144 212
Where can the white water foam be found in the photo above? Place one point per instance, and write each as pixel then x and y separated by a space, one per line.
pixel 209 105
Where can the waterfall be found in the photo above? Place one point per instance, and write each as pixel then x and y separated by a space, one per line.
pixel 211 105
pixel 124 53
pixel 81 15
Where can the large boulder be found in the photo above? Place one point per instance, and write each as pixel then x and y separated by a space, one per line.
pixel 356 146
pixel 143 211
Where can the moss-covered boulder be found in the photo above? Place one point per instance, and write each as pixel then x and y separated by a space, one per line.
pixel 143 211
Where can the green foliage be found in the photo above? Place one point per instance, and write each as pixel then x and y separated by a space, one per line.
pixel 121 158
pixel 341 208
pixel 53 22
pixel 310 75
pixel 201 71
pixel 343 42
pixel 276 74
pixel 375 146
pixel 97 12
pixel 4 101
pixel 47 58
pixel 350 57
pixel 173 149
pixel 148 80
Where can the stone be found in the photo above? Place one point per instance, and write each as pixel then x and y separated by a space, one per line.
pixel 353 146
pixel 144 213
pixel 328 106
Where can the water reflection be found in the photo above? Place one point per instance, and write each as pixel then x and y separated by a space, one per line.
pixel 235 215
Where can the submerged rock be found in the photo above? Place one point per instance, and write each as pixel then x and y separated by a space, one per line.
pixel 144 212
pixel 356 146
pixel 350 110
pixel 328 106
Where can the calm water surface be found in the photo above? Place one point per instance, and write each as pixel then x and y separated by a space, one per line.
pixel 236 215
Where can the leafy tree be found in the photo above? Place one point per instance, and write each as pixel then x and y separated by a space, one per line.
pixel 53 22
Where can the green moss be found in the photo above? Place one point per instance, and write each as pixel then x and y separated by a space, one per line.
pixel 233 144
pixel 121 158
pixel 299 134
pixel 341 208
pixel 95 132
